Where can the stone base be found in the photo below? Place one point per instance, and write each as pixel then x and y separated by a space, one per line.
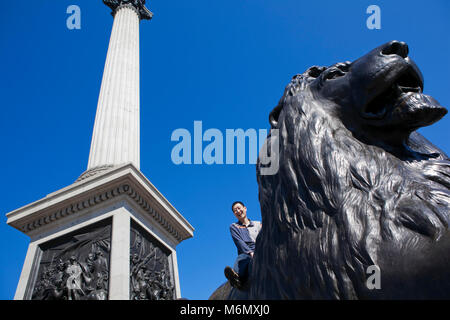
pixel 70 256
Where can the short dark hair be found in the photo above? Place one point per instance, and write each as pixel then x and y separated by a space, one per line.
pixel 236 202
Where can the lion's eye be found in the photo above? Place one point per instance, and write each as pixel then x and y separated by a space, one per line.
pixel 334 73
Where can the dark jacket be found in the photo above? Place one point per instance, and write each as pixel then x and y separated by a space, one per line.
pixel 245 237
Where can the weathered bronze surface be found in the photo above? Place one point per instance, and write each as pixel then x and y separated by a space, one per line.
pixel 75 266
pixel 357 187
pixel 137 5
pixel 150 270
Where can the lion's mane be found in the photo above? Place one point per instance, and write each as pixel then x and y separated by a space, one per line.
pixel 338 205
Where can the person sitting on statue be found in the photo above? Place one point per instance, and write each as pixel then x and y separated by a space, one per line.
pixel 244 233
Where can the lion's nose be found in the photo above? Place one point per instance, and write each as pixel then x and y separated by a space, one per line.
pixel 396 47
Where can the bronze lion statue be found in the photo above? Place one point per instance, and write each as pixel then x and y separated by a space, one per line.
pixel 356 187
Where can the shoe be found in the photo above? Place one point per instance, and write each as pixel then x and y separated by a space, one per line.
pixel 233 277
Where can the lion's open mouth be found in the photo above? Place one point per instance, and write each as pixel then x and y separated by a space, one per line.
pixel 407 83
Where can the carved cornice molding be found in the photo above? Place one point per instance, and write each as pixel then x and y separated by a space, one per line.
pixel 92 195
pixel 137 5
pixel 123 189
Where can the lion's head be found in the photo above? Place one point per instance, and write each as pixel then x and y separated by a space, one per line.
pixel 378 97
pixel 356 186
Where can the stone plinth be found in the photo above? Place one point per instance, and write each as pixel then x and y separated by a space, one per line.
pixel 116 226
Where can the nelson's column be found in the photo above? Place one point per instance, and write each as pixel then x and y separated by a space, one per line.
pixel 111 234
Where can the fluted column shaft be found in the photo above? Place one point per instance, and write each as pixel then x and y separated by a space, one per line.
pixel 115 139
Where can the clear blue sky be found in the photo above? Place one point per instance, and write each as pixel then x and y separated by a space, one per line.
pixel 224 63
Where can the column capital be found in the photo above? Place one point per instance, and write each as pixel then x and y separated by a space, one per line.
pixel 137 5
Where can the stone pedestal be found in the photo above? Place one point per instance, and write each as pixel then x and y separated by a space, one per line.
pixel 112 236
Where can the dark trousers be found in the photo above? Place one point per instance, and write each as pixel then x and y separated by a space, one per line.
pixel 243 266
